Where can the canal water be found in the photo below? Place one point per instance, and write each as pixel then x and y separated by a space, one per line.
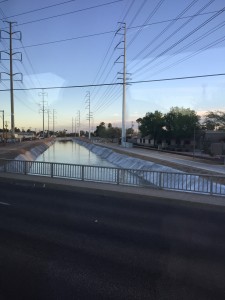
pixel 72 153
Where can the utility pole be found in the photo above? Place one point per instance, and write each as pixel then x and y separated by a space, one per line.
pixel 53 114
pixel 48 112
pixel 89 116
pixel 11 75
pixel 72 127
pixel 123 27
pixel 43 110
pixel 75 123
pixel 78 122
pixel 6 126
pixel 2 123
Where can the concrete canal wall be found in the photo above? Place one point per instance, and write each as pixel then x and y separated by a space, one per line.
pixel 28 150
pixel 33 153
pixel 124 161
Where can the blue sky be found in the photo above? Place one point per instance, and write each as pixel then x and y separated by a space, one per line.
pixel 73 43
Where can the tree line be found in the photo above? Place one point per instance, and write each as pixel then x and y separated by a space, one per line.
pixel 179 123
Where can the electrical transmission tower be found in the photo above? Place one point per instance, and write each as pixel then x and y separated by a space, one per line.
pixel 11 74
pixel 89 114
pixel 48 113
pixel 72 127
pixel 122 31
pixel 43 109
pixel 53 120
pixel 78 122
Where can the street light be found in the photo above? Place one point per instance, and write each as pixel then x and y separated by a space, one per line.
pixel 2 123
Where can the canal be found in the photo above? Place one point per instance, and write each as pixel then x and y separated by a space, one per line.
pixel 72 153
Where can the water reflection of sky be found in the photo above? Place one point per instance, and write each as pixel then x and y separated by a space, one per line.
pixel 72 153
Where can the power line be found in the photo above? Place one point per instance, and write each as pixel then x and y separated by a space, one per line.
pixel 117 83
pixel 69 13
pixel 111 31
pixel 180 40
pixel 38 9
pixel 208 46
pixel 162 32
pixel 146 21
pixel 68 39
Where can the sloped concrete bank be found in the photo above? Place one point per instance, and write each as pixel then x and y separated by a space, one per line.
pixel 186 183
pixel 124 161
pixel 33 153
pixel 28 151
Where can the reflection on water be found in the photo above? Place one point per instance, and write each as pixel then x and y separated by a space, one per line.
pixel 72 153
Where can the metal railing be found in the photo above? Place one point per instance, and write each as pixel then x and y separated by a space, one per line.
pixel 179 181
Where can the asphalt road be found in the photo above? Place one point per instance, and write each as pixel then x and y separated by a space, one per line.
pixel 77 244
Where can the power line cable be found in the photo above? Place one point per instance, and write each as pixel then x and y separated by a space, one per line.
pixel 38 9
pixel 108 84
pixel 132 3
pixel 109 59
pixel 197 40
pixel 218 41
pixel 108 32
pixel 138 12
pixel 164 30
pixel 146 21
pixel 180 40
pixel 69 13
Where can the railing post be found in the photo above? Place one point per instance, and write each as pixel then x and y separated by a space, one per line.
pixel 52 169
pixel 25 168
pixel 160 180
pixel 118 176
pixel 211 186
pixel 82 173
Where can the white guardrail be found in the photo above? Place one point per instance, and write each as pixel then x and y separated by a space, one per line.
pixel 179 181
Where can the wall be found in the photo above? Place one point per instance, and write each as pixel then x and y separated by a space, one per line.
pixel 33 153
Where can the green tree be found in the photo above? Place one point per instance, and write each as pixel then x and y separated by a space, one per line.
pixel 129 131
pixel 113 132
pixel 152 124
pixel 214 120
pixel 181 123
pixel 100 130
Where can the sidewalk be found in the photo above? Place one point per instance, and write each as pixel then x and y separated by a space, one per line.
pixel 168 159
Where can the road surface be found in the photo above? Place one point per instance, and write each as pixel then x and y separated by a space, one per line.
pixel 80 244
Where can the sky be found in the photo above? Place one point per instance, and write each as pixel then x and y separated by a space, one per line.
pixel 77 46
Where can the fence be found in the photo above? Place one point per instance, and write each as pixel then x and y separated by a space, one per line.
pixel 134 177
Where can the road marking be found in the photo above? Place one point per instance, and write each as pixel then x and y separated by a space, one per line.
pixel 4 203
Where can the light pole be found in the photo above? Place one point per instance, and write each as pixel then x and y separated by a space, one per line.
pixel 194 145
pixel 2 123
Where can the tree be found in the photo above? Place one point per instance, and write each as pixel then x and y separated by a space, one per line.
pixel 113 133
pixel 129 131
pixel 100 130
pixel 152 124
pixel 214 120
pixel 181 123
